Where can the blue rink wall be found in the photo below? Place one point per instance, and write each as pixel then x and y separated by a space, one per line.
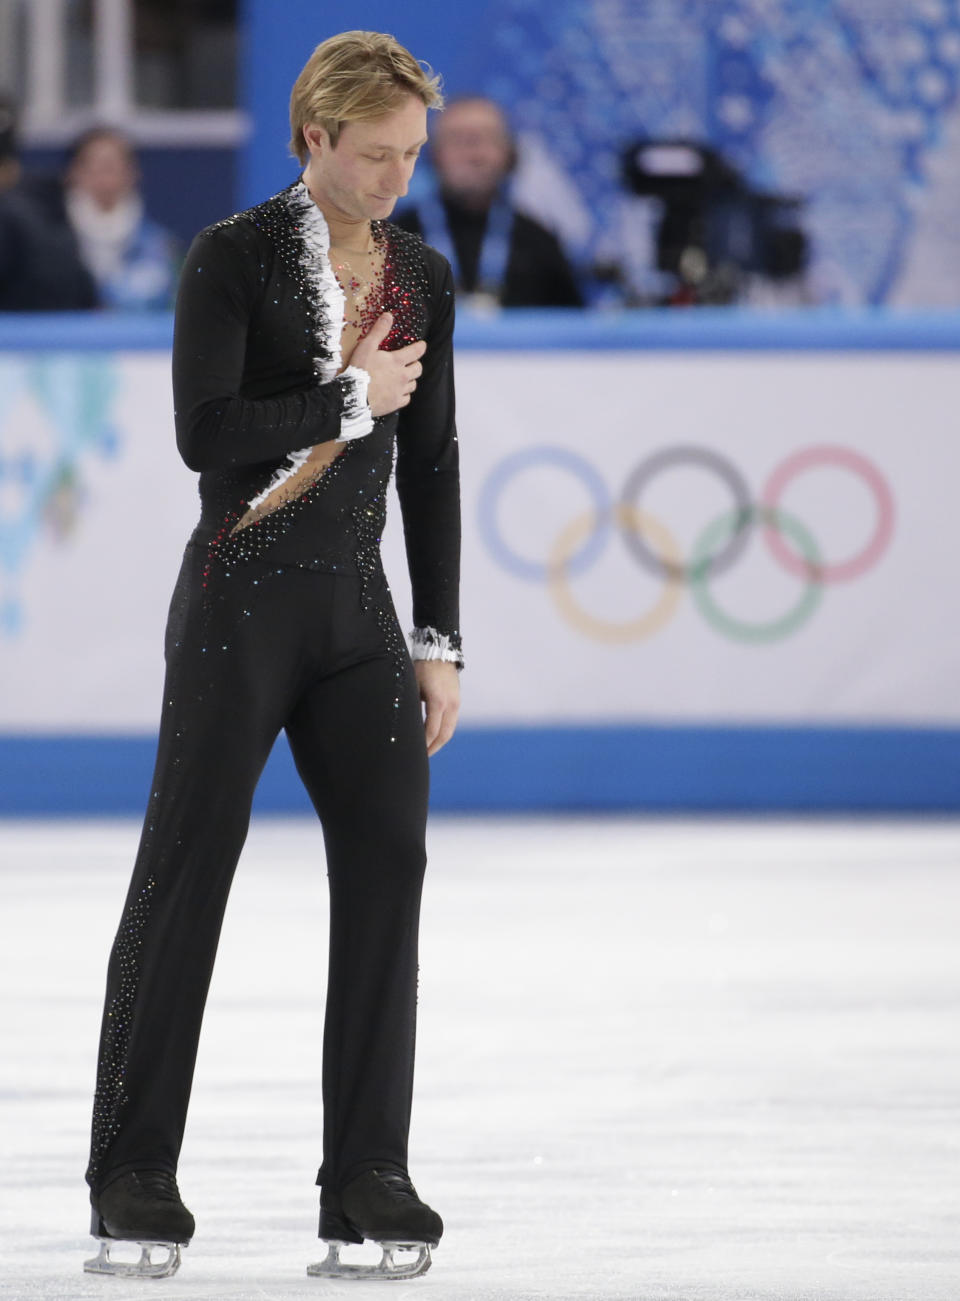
pixel 870 767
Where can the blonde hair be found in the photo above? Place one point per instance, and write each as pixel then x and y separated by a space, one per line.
pixel 356 77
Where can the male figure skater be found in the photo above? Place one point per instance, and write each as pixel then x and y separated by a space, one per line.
pixel 313 338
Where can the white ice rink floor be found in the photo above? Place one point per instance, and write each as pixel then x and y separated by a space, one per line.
pixel 714 1060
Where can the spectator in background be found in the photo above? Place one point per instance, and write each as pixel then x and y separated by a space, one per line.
pixel 133 260
pixel 499 255
pixel 40 265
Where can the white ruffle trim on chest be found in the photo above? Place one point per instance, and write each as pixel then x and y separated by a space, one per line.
pixel 327 304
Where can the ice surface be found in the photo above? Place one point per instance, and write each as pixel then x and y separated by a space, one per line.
pixel 696 1062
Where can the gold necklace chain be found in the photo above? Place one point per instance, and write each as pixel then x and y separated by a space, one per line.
pixel 360 279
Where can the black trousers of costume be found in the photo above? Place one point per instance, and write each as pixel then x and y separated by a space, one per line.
pixel 250 652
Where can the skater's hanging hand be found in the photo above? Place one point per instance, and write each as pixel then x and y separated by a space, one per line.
pixel 393 375
pixel 439 684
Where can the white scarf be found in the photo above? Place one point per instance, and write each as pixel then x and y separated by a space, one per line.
pixel 103 235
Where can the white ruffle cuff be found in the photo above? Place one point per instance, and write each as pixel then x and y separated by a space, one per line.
pixel 428 644
pixel 356 420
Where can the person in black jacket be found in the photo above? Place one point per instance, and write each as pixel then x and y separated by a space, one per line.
pixel 313 338
pixel 500 255
pixel 40 265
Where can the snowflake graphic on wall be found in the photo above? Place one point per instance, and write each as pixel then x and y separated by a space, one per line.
pixel 54 413
pixel 840 102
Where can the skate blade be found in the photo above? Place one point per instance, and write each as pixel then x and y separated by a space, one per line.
pixel 145 1267
pixel 388 1268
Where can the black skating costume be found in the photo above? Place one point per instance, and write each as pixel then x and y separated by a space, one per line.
pixel 287 623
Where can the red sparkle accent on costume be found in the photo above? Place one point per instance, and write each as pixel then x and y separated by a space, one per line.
pixel 399 288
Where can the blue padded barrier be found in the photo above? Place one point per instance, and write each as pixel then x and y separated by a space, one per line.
pixel 555 769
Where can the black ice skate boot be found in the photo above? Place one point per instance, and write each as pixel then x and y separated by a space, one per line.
pixel 143 1208
pixel 381 1205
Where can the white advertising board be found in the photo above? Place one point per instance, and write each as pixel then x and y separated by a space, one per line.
pixel 741 537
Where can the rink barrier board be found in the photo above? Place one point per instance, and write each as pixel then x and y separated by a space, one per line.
pixel 671 768
pixel 650 769
pixel 701 329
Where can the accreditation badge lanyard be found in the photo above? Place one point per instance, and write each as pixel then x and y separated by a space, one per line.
pixel 494 250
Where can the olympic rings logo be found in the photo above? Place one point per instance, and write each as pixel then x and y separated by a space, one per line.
pixel 720 544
